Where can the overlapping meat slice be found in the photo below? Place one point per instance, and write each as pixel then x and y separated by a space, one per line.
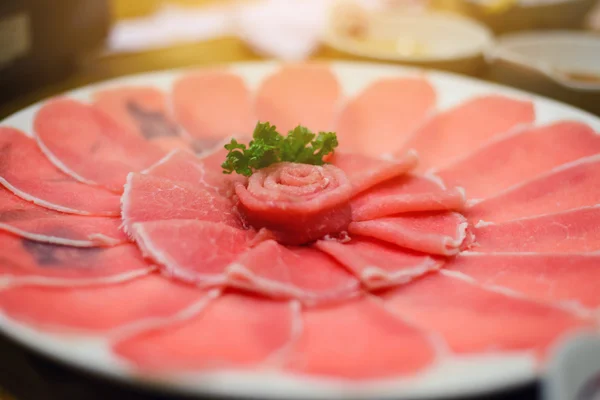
pixel 453 133
pixel 88 145
pixel 519 156
pixel 23 260
pixel 144 111
pixel 440 233
pixel 381 118
pixel 26 172
pixel 232 331
pixel 475 320
pixel 358 339
pixel 379 264
pixel 549 277
pixel 406 193
pixel 303 273
pixel 194 251
pixel 149 198
pixel 365 172
pixel 572 231
pixel 299 94
pixel 569 186
pixel 104 308
pixel 33 222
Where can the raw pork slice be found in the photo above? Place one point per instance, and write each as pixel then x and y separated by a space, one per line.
pixel 144 111
pixel 569 186
pixel 572 231
pixel 475 320
pixel 194 251
pixel 365 172
pixel 145 300
pixel 148 198
pixel 26 172
pixel 379 264
pixel 233 331
pixel 295 95
pixel 519 156
pixel 212 105
pixel 88 145
pixel 303 273
pixel 29 221
pixel 406 193
pixel 381 118
pixel 27 261
pixel 436 233
pixel 451 134
pixel 548 277
pixel 358 339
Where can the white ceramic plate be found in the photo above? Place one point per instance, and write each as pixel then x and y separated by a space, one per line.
pixel 457 377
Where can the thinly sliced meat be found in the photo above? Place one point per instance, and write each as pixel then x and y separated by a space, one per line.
pixel 144 111
pixel 569 186
pixel 33 222
pixel 520 156
pixel 149 198
pixel 27 261
pixel 303 273
pixel 435 233
pixel 194 251
pixel 295 95
pixel 365 172
pixel 406 193
pixel 454 133
pixel 26 172
pixel 572 231
pixel 88 145
pixel 381 118
pixel 358 339
pixel 548 277
pixel 212 105
pixel 475 320
pixel 99 308
pixel 233 331
pixel 379 264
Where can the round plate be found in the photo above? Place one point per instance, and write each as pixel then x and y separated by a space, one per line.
pixel 462 376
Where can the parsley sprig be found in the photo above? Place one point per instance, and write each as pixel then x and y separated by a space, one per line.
pixel 269 147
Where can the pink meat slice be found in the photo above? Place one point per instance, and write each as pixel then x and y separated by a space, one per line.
pixel 303 273
pixel 440 233
pixel 379 264
pixel 520 156
pixel 295 95
pixel 29 221
pixel 26 172
pixel 475 320
pixel 569 186
pixel 406 193
pixel 233 331
pixel 88 145
pixel 365 172
pixel 382 117
pixel 358 339
pixel 143 111
pixel 149 198
pixel 23 260
pixel 190 250
pixel 548 277
pixel 454 133
pixel 572 231
pixel 102 308
pixel 212 105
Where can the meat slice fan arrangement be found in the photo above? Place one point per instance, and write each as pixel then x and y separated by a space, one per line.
pixel 428 235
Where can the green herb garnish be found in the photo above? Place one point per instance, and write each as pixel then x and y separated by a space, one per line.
pixel 269 147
